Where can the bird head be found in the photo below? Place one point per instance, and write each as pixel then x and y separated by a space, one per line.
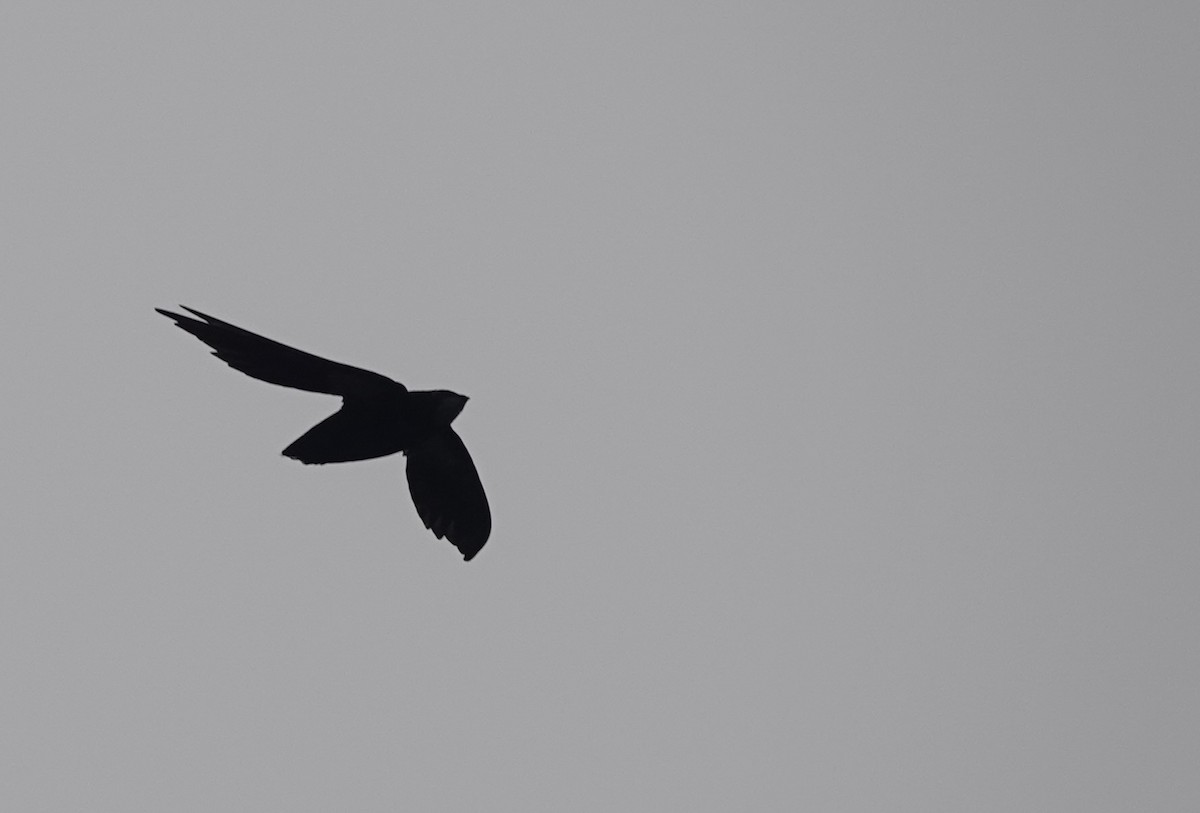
pixel 448 405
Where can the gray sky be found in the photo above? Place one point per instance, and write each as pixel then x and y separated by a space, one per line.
pixel 834 382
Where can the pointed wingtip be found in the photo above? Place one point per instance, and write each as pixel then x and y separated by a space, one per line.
pixel 179 318
pixel 195 312
pixel 468 547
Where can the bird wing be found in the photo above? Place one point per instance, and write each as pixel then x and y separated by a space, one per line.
pixel 270 361
pixel 447 493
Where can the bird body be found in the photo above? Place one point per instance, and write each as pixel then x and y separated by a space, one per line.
pixel 378 417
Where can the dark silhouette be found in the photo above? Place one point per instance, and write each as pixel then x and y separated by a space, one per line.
pixel 378 417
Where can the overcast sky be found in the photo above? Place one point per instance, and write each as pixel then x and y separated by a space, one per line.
pixel 834 380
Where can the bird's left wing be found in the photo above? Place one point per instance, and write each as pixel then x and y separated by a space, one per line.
pixel 270 361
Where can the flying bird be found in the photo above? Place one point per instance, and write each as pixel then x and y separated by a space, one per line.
pixel 378 417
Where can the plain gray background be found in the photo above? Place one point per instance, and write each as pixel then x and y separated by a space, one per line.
pixel 834 381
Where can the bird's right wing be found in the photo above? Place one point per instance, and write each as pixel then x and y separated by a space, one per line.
pixel 447 493
pixel 270 361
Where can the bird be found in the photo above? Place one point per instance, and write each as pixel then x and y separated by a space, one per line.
pixel 378 417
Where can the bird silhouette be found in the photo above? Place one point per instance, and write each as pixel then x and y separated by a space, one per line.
pixel 378 417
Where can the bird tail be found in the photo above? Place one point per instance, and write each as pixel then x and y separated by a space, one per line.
pixel 346 435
